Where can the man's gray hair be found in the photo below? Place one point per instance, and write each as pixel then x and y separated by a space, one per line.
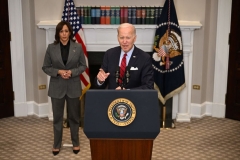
pixel 125 25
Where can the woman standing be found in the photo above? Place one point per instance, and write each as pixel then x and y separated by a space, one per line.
pixel 64 61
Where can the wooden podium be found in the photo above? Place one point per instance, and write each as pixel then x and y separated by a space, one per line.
pixel 108 140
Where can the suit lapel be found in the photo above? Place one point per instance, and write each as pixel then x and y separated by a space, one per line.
pixel 72 51
pixel 58 53
pixel 133 58
pixel 117 57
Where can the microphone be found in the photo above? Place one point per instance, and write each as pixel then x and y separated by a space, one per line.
pixel 127 74
pixel 117 74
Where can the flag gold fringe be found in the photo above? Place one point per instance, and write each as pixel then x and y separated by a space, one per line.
pixel 85 90
pixel 171 94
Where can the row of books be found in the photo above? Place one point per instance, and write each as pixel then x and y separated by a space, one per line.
pixel 119 14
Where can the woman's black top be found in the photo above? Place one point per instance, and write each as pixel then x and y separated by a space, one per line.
pixel 65 51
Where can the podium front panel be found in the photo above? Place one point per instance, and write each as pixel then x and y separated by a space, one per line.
pixel 146 124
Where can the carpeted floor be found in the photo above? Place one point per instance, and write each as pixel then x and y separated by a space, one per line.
pixel 207 138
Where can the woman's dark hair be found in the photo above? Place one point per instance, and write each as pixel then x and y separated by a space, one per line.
pixel 59 28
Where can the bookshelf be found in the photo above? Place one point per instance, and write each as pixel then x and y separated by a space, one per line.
pixel 119 14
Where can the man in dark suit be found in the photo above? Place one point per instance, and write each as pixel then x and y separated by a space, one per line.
pixel 139 63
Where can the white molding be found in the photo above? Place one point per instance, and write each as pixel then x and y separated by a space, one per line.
pixel 40 110
pixel 201 110
pixel 207 109
pixel 175 106
pixel 17 57
pixel 31 108
pixel 221 58
pixel 20 109
pixel 197 110
pixel 183 24
pixel 209 106
pixel 183 117
pixel 100 42
pixel 218 110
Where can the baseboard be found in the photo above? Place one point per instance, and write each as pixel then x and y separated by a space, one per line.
pixel 20 109
pixel 218 110
pixel 31 108
pixel 196 110
pixel 183 117
pixel 207 109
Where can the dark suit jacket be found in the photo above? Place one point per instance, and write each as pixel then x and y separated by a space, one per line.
pixel 59 87
pixel 142 78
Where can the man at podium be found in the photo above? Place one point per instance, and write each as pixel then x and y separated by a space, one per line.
pixel 125 66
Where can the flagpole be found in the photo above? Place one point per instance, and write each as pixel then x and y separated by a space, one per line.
pixel 163 116
pixel 167 67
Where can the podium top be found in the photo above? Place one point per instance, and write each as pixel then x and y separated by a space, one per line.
pixel 100 103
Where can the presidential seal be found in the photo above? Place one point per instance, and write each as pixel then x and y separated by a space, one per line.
pixel 121 112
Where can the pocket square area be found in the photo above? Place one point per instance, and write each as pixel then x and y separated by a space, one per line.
pixel 134 68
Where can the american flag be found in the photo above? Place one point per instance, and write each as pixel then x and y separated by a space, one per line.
pixel 162 51
pixel 70 15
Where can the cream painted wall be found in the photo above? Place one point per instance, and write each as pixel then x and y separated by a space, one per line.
pixel 191 10
pixel 186 9
pixel 28 49
pixel 209 49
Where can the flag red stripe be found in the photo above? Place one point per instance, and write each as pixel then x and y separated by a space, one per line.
pixel 87 71
pixel 79 39
pixel 83 80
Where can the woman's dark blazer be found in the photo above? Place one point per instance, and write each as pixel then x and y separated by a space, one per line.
pixel 59 87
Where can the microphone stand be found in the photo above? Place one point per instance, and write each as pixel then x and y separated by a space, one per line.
pixel 122 84
pixel 117 74
pixel 124 80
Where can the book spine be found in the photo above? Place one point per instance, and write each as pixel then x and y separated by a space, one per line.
pixel 160 11
pixel 117 13
pixel 153 15
pixel 138 15
pixel 156 11
pixel 107 14
pixel 122 14
pixel 129 14
pixel 125 14
pixel 112 15
pixel 103 15
pixel 78 9
pixel 82 15
pixel 98 15
pixel 143 9
pixel 85 15
pixel 93 15
pixel 134 15
pixel 89 14
pixel 148 10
